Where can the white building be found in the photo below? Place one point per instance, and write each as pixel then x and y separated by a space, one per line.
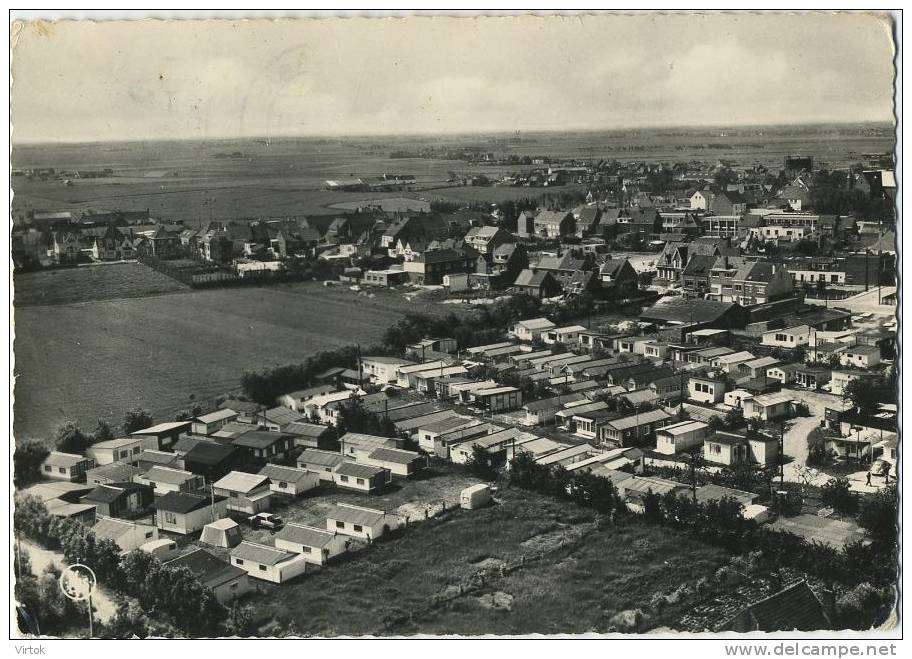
pixel 316 545
pixel 267 563
pixel 360 522
pixel 532 329
pixel 125 449
pixel 788 337
pixel 681 436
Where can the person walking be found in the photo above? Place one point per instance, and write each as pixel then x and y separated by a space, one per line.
pixel 869 479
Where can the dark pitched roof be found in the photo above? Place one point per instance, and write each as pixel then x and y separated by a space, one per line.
pixel 206 453
pixel 208 568
pixel 183 502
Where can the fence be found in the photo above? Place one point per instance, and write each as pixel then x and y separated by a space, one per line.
pixel 212 276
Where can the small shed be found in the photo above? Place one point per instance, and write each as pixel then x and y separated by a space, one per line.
pixel 222 533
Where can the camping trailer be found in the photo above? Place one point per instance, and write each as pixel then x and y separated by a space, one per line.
pixel 475 497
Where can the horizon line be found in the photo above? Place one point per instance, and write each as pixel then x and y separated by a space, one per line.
pixel 450 134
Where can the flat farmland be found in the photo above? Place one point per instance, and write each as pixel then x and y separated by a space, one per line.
pixel 87 283
pixel 98 359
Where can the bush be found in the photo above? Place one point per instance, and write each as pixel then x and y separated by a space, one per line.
pixel 837 494
pixel 27 460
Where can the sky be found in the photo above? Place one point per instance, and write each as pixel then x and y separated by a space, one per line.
pixel 154 79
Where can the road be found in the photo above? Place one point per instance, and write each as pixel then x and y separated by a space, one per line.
pixel 104 606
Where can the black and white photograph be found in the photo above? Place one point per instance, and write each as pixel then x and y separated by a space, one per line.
pixel 456 325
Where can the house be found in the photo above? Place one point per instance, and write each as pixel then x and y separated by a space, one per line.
pixel 149 458
pixel 267 563
pixel 748 283
pixel 227 582
pixel 840 380
pixel 185 513
pixel 265 445
pixel 532 329
pixel 317 546
pixel 539 284
pixel 727 202
pixel 208 424
pixel 783 373
pixel 768 407
pixel 320 462
pixel 860 356
pixel 125 449
pixel 247 412
pixel 308 435
pixel 525 224
pixel 66 466
pixel 756 368
pixel 731 363
pixel 634 490
pixel 588 424
pixel 354 444
pixel 679 437
pixel 542 411
pixel 274 418
pixel 166 479
pixel 292 481
pixel 634 430
pixel 246 493
pixel 701 200
pixel 486 239
pixel 126 535
pixel 795 608
pixel 706 389
pixel 213 460
pixel 617 278
pixel 495 445
pixel 564 335
pixel 162 435
pixel 116 472
pixel 383 370
pixel 361 477
pixel 120 499
pixel 407 376
pixel 399 462
pixel 497 399
pixel 323 408
pixel 430 267
pixel 554 224
pixel 726 448
pixel 695 275
pixel 737 397
pixel 359 522
pixel 385 278
pixel 787 337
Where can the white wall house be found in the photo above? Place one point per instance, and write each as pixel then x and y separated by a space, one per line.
pixel 787 337
pixel 706 390
pixel 316 545
pixel 267 563
pixel 681 436
pixel 359 522
pixel 66 466
pixel 125 449
pixel 860 356
pixel 529 330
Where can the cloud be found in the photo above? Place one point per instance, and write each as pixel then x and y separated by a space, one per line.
pixel 131 80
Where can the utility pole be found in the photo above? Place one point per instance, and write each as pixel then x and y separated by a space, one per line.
pixel 91 621
pixel 781 455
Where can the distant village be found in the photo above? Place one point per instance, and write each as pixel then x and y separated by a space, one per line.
pixel 744 307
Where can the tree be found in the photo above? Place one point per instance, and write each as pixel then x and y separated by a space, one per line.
pixel 240 621
pixel 103 432
pixel 878 517
pixel 136 419
pixel 70 439
pixel 837 494
pixel 27 461
pixel 865 394
pixel 479 464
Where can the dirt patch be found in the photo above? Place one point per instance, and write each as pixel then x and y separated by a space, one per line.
pixel 553 540
pixel 497 600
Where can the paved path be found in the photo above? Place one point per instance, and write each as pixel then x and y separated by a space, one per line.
pixel 104 606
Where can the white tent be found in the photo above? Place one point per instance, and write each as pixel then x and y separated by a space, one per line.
pixel 222 533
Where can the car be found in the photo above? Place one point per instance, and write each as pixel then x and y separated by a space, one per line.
pixel 268 521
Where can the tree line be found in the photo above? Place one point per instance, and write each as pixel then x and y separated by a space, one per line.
pixel 172 601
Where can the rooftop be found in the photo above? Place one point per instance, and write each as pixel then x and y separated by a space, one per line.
pixel 262 554
pixel 309 536
pixel 356 470
pixel 240 481
pixel 207 567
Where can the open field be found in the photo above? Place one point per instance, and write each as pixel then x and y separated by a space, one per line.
pixel 81 361
pixel 574 578
pixel 185 180
pixel 95 282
